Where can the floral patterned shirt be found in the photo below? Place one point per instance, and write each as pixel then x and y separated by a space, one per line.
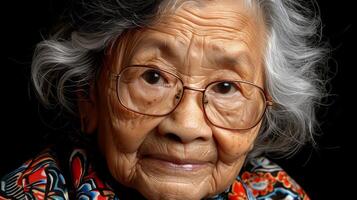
pixel 44 177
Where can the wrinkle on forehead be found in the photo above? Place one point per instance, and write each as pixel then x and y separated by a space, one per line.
pixel 194 19
pixel 196 38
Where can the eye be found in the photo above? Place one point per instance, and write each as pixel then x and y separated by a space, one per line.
pixel 152 76
pixel 225 88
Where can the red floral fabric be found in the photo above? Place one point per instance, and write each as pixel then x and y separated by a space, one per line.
pixel 41 178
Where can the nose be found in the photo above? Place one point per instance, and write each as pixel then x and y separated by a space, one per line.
pixel 187 123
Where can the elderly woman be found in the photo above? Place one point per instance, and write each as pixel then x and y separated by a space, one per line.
pixel 180 99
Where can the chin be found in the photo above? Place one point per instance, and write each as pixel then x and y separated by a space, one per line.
pixel 173 191
pixel 156 179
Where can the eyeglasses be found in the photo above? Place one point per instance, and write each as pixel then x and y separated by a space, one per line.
pixel 227 104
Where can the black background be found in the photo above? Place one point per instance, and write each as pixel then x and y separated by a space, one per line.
pixel 325 173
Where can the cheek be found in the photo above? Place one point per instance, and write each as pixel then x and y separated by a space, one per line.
pixel 234 145
pixel 125 129
pixel 120 135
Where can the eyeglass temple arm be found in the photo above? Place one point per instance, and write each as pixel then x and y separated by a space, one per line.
pixel 113 75
pixel 270 103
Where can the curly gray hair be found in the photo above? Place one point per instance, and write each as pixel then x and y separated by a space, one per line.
pixel 70 58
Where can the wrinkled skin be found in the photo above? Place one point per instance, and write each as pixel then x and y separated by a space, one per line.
pixel 181 155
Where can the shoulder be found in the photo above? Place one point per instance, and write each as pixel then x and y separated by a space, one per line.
pixel 35 179
pixel 266 180
pixel 50 175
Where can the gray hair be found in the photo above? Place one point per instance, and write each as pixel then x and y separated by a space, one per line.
pixel 295 76
pixel 70 58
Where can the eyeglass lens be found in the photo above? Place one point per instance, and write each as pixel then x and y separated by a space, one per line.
pixel 227 104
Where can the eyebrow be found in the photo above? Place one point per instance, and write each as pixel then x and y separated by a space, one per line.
pixel 236 57
pixel 227 60
pixel 166 48
pixel 238 61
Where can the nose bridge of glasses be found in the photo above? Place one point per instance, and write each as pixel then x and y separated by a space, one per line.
pixel 181 94
pixel 194 89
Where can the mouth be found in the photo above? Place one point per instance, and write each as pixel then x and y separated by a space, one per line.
pixel 172 163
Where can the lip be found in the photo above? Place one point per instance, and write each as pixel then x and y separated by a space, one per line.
pixel 175 163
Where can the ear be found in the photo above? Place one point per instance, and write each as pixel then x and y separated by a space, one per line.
pixel 251 147
pixel 88 110
pixel 268 97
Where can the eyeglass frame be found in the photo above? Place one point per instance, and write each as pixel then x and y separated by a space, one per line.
pixel 202 90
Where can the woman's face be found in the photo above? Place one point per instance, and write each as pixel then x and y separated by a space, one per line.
pixel 181 155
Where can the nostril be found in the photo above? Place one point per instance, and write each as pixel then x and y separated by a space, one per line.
pixel 173 137
pixel 176 138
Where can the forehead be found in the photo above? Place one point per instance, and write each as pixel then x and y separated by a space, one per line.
pixel 205 18
pixel 225 22
pixel 226 31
